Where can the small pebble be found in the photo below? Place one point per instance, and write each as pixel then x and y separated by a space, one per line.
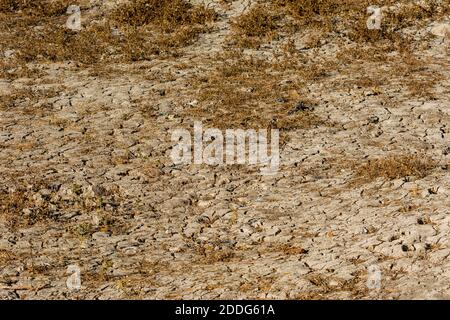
pixel 374 119
pixel 281 100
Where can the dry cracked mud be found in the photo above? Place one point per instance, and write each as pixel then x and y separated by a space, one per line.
pixel 364 177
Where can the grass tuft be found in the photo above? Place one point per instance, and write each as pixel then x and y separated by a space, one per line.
pixel 255 26
pixel 396 167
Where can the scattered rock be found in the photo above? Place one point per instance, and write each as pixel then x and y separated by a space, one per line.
pixel 281 100
pixel 9 53
pixel 374 119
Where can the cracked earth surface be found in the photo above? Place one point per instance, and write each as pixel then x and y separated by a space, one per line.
pixel 201 232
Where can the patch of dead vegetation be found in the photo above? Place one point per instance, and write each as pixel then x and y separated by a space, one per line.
pixel 287 249
pixel 395 167
pixel 28 100
pixel 15 69
pixel 177 24
pixel 210 254
pixel 42 36
pixel 259 24
pixel 27 205
pixel 263 284
pixel 35 32
pixel 37 8
pixel 6 256
pixel 167 14
pixel 418 75
pixel 349 17
pixel 15 206
pixel 346 21
pixel 355 286
pixel 343 24
pixel 246 92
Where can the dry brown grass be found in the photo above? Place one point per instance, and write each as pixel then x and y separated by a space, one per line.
pixel 355 287
pixel 395 167
pixel 258 25
pixel 166 14
pixel 12 69
pixel 390 50
pixel 316 12
pixel 285 249
pixel 36 32
pixel 15 207
pixel 368 69
pixel 38 8
pixel 258 284
pixel 339 15
pixel 245 92
pixel 28 100
pixel 177 24
pixel 6 256
pixel 27 205
pixel 335 19
pixel 209 253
